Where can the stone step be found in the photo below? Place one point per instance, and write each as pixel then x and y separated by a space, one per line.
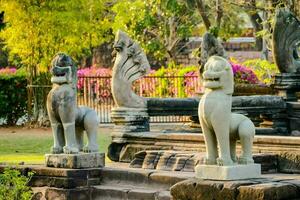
pixel 152 179
pixel 128 192
pixel 192 142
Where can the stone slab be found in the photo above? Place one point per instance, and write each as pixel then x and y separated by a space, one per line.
pixel 234 172
pixel 75 161
pixel 289 162
pixel 252 189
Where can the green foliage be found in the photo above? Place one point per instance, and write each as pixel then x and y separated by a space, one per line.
pixel 180 85
pixel 263 69
pixel 36 29
pixel 232 22
pixel 13 185
pixel 182 82
pixel 157 25
pixel 13 96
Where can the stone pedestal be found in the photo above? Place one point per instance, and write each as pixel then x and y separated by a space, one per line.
pixel 130 119
pixel 293 110
pixel 234 172
pixel 127 122
pixel 75 161
pixel 287 85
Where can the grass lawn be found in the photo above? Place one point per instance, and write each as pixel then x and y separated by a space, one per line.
pixel 29 145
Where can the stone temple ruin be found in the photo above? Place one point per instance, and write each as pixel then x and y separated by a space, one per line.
pixel 181 163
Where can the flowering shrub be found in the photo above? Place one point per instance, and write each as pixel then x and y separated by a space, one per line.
pixel 173 81
pixel 8 71
pixel 243 74
pixel 264 70
pixel 94 82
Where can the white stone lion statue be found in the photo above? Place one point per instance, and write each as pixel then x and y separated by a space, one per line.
pixel 68 121
pixel 220 127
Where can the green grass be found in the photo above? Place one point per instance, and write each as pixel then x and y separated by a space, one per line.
pixel 30 148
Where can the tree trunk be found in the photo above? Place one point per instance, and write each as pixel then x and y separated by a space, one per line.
pixel 256 22
pixel 219 11
pixel 201 10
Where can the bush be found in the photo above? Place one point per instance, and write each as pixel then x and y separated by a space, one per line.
pixel 243 74
pixel 264 70
pixel 13 185
pixel 13 95
pixel 183 84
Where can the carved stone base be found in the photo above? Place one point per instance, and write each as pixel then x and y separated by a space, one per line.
pixel 75 161
pixel 130 119
pixel 287 84
pixel 234 172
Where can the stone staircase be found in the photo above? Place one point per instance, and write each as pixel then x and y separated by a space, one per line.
pixel 140 184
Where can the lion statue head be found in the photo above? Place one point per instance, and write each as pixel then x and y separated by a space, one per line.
pixel 63 70
pixel 218 75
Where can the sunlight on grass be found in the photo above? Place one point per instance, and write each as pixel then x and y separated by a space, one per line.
pixel 26 158
pixel 31 148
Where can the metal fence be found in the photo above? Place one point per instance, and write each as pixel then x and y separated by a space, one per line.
pixel 95 92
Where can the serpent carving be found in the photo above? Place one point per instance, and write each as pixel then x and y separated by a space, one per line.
pixel 286 41
pixel 130 64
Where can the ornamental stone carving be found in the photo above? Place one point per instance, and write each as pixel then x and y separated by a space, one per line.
pixel 130 64
pixel 68 121
pixel 221 127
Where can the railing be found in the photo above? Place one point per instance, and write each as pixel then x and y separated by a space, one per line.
pixel 95 92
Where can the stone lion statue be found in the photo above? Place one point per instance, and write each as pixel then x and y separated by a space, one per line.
pixel 68 121
pixel 221 127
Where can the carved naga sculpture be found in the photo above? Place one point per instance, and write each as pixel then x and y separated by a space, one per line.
pixel 219 125
pixel 286 41
pixel 130 64
pixel 68 121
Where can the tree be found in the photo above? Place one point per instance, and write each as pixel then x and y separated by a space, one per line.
pixel 38 29
pixel 158 25
pixel 219 17
pixel 261 14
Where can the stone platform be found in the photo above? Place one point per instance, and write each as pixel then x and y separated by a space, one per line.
pixel 225 173
pixel 190 142
pixel 268 187
pixel 118 181
pixel 75 161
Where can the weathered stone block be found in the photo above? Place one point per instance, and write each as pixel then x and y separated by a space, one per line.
pixel 233 172
pixel 268 162
pixel 195 189
pixel 151 160
pixel 75 161
pixel 67 194
pixel 166 161
pixel 58 182
pixel 289 162
pixel 266 191
pixel 129 120
pixel 137 194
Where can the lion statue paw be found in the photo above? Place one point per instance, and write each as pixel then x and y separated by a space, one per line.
pixel 222 162
pixel 209 161
pixel 56 150
pixel 70 150
pixel 89 149
pixel 245 161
